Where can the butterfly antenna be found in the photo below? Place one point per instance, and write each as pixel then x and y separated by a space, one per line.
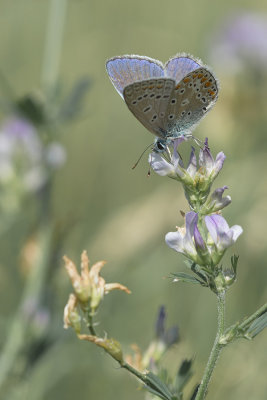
pixel 137 162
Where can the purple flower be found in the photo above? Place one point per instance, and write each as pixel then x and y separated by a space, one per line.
pixel 208 167
pixel 187 240
pixel 24 158
pixel 240 42
pixel 171 168
pixel 222 236
pixel 216 201
pixel 197 177
pixel 208 247
pixel 21 155
pixel 170 336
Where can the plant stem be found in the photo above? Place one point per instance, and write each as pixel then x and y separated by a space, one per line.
pixel 53 44
pixel 134 371
pixel 91 325
pixel 216 349
pixel 30 297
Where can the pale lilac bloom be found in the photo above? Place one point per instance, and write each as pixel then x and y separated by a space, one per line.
pixel 207 169
pixel 208 166
pixel 222 236
pixel 190 242
pixel 18 139
pixel 241 42
pixel 163 167
pixel 183 240
pixel 23 156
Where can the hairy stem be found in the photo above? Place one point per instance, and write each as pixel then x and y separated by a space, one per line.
pixel 216 349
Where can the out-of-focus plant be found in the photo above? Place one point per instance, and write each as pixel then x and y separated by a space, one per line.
pixel 238 50
pixel 31 151
pixel 203 240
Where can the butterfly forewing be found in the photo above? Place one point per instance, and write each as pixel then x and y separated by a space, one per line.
pixel 178 67
pixel 128 69
pixel 190 99
pixel 148 101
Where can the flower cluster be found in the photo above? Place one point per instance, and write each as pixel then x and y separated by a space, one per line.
pixel 23 154
pixel 196 178
pixel 206 249
pixel 89 287
pixel 89 290
pixel 26 162
pixel 206 235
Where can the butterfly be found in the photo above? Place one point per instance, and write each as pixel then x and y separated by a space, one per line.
pixel 168 99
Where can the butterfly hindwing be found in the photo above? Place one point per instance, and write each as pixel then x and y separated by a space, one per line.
pixel 148 101
pixel 190 100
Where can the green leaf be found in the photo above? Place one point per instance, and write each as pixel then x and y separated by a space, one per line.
pixel 184 374
pixel 158 387
pixel 183 277
pixel 257 326
pixel 234 262
pixel 194 394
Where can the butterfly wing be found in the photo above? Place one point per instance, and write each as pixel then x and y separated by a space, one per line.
pixel 178 67
pixel 148 101
pixel 129 69
pixel 190 100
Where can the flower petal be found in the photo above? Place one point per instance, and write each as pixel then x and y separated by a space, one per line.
pixel 219 161
pixel 175 241
pixel 160 165
pixel 237 230
pixel 192 165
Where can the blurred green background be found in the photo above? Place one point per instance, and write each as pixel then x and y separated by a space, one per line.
pixel 122 216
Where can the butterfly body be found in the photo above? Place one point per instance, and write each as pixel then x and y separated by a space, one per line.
pixel 169 100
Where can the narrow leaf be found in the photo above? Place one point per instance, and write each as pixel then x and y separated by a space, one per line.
pixel 257 326
pixel 156 384
pixel 183 277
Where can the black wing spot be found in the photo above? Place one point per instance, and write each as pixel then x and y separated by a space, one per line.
pixel 147 109
pixel 134 102
pixel 173 101
pixel 171 116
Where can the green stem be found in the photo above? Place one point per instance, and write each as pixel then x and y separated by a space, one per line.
pixel 216 349
pixel 32 295
pixel 134 371
pixel 53 44
pixel 91 325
